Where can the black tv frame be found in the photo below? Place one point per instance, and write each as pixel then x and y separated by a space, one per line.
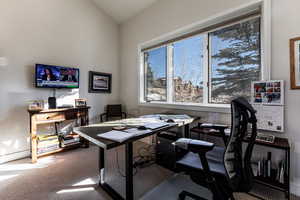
pixel 36 85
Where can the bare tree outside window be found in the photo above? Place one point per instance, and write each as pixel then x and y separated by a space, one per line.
pixel 156 74
pixel 188 70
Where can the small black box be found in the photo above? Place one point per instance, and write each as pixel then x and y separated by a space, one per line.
pixel 52 102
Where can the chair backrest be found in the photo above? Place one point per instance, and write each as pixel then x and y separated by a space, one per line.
pixel 238 163
pixel 114 110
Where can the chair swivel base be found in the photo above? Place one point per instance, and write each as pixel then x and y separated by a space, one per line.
pixel 184 194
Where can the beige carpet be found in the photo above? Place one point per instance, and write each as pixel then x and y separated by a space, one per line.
pixel 69 175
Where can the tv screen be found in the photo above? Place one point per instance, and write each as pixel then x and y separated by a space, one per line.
pixel 49 76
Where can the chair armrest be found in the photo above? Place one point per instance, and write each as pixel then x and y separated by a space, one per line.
pixel 125 115
pixel 101 116
pixel 195 146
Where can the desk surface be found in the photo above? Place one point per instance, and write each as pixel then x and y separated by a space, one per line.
pixel 90 132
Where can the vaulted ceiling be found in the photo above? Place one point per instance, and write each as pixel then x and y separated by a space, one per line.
pixel 122 10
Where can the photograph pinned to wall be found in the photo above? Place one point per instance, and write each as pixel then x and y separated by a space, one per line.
pixel 99 82
pixel 295 62
pixel 267 92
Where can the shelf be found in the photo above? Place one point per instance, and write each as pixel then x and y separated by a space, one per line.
pixel 50 152
pixel 75 145
pixel 60 150
pixel 50 121
pixel 271 183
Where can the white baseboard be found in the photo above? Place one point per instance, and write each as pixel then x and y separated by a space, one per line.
pixel 295 187
pixel 14 156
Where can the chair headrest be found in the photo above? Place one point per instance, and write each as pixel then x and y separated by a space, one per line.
pixel 241 101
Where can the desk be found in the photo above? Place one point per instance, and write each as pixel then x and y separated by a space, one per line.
pixel 90 133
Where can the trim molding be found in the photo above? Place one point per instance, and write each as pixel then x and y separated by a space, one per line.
pixel 14 156
pixel 295 187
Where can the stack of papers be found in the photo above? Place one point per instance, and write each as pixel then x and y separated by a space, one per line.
pixel 118 136
pixel 156 125
pixel 121 136
pixel 137 132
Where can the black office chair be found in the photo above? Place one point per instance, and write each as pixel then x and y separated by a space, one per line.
pixel 113 111
pixel 222 170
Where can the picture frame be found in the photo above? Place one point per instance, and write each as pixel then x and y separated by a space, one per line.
pixel 295 62
pixel 80 103
pixel 36 105
pixel 100 82
pixel 267 92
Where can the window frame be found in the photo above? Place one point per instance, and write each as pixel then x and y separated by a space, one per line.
pixel 265 28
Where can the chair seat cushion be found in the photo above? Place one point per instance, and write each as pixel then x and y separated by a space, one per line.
pixel 216 154
pixel 191 161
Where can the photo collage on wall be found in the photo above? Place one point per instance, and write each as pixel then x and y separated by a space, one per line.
pixel 267 92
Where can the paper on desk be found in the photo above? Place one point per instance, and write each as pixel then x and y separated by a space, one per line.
pixel 118 136
pixel 155 125
pixel 137 132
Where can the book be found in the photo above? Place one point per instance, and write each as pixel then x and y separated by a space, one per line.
pixel 48 143
pixel 69 144
pixel 47 137
pixel 47 149
pixel 282 172
pixel 269 165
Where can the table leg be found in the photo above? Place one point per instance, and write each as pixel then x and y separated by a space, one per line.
pixel 101 164
pixel 187 133
pixel 288 173
pixel 129 171
pixel 107 188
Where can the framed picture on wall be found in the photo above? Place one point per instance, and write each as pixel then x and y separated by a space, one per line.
pixel 267 92
pixel 99 82
pixel 295 62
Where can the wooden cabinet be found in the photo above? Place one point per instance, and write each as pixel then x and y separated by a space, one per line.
pixel 55 116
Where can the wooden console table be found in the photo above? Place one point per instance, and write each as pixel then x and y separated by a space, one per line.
pixel 55 116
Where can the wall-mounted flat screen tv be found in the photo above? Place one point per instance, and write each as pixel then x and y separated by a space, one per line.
pixel 49 76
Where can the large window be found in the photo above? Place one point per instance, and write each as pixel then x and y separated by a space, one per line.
pixel 209 67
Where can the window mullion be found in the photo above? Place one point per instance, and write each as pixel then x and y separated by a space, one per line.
pixel 170 73
pixel 143 79
pixel 205 69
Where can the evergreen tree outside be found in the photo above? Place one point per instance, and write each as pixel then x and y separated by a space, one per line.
pixel 236 60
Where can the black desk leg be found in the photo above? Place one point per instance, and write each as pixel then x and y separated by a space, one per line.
pixel 187 133
pixel 288 173
pixel 101 163
pixel 129 170
pixel 106 187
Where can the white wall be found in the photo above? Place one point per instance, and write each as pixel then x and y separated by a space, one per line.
pixel 168 15
pixel 60 32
